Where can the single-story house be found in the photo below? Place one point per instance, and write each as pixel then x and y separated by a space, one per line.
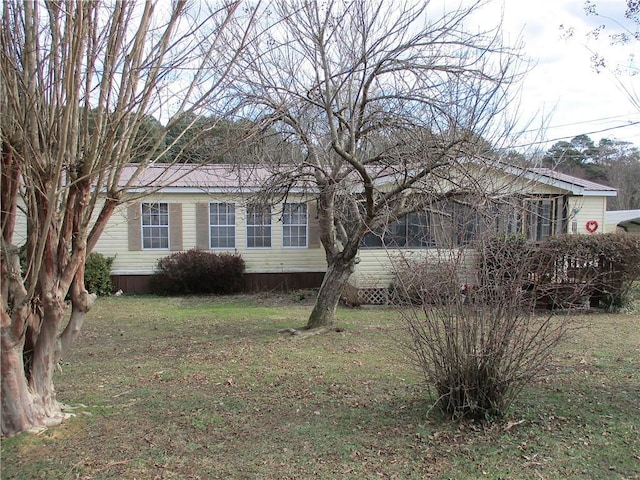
pixel 215 208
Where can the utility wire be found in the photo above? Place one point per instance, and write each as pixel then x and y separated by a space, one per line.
pixel 571 124
pixel 540 142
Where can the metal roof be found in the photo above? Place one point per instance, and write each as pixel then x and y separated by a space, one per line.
pixel 234 178
pixel 551 177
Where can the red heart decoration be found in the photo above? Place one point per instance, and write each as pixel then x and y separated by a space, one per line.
pixel 592 226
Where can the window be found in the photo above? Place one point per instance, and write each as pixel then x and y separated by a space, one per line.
pixel 419 232
pixel 155 225
pixel 535 218
pixel 222 225
pixel 540 218
pixel 413 230
pixel 294 225
pixel 258 226
pixel 467 224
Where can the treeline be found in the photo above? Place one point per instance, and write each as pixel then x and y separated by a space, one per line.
pixel 611 162
pixel 202 139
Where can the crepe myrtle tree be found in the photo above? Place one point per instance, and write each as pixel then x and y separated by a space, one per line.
pixel 79 83
pixel 388 102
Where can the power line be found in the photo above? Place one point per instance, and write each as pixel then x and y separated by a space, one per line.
pixel 595 120
pixel 540 142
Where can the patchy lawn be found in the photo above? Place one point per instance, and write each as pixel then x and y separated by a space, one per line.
pixel 205 388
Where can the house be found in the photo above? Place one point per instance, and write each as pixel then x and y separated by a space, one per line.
pixel 214 208
pixel 217 208
pixel 543 203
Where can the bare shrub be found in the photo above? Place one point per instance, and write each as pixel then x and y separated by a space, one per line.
pixel 600 268
pixel 426 281
pixel 479 347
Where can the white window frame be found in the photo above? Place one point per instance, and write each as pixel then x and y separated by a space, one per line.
pixel 162 225
pixel 262 212
pixel 289 214
pixel 230 215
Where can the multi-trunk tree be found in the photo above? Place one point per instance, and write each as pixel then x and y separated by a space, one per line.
pixel 394 106
pixel 79 84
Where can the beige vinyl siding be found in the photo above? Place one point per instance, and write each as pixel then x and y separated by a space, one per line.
pixel 377 267
pixel 587 209
pixel 115 242
pixel 20 227
pixel 374 270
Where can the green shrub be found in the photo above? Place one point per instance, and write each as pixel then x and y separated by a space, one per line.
pixel 97 274
pixel 198 272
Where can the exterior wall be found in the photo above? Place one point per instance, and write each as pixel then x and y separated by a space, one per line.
pixel 277 259
pixel 20 227
pixel 279 267
pixel 378 266
pixel 583 211
pixel 268 268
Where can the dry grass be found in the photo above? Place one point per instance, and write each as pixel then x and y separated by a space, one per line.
pixel 206 388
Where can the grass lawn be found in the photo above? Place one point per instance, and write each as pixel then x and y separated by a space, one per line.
pixel 205 388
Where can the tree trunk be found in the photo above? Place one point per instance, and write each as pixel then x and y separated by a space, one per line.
pixel 28 394
pixel 335 279
pixel 24 409
pixel 18 412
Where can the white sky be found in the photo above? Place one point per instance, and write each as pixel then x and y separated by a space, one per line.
pixel 562 82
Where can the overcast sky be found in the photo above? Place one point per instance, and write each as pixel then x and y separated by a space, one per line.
pixel 562 81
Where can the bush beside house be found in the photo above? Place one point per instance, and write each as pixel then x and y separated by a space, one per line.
pixel 197 271
pixel 97 274
pixel 600 268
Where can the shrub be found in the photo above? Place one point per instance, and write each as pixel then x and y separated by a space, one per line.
pixel 478 348
pixel 506 262
pixel 431 280
pixel 599 267
pixel 198 272
pixel 97 274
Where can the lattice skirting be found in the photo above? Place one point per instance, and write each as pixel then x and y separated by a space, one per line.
pixel 366 296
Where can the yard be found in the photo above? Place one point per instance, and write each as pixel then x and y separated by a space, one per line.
pixel 205 388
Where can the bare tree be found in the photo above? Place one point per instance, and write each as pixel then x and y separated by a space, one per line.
pixel 387 102
pixel 79 82
pixel 620 29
